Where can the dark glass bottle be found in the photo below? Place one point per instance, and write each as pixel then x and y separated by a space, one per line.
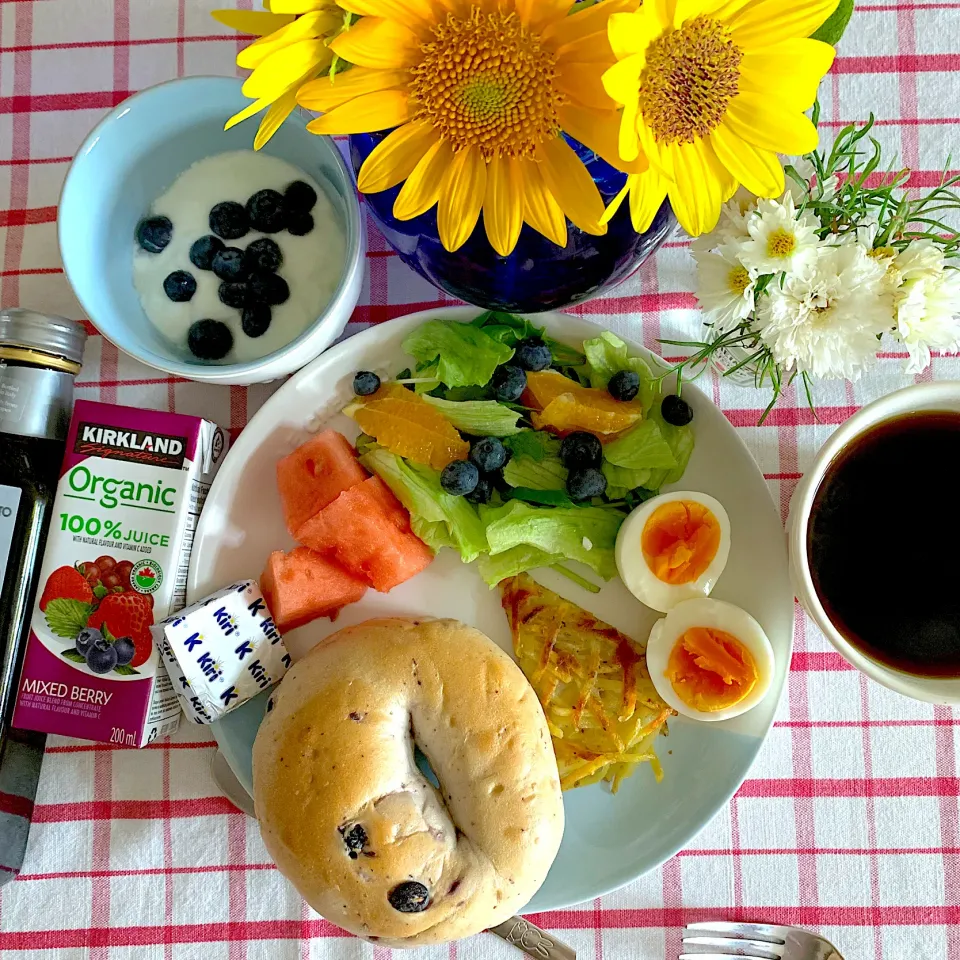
pixel 39 358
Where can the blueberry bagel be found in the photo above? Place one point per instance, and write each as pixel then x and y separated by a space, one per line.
pixel 355 825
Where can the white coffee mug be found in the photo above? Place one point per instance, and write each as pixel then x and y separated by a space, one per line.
pixel 927 397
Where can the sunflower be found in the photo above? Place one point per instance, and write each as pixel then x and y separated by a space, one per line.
pixel 292 49
pixel 712 91
pixel 477 96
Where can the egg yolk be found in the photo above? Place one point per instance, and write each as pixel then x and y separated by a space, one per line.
pixel 680 540
pixel 711 669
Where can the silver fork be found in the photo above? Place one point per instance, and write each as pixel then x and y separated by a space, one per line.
pixel 759 941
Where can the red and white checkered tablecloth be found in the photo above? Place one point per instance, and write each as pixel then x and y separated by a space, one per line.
pixel 849 823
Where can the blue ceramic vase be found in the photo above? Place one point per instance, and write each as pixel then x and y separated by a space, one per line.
pixel 538 275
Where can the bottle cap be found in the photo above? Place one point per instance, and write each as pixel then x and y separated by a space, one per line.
pixel 52 335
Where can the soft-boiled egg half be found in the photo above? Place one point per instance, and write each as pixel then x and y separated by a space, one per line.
pixel 673 548
pixel 710 660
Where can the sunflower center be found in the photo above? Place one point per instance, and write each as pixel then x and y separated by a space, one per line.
pixel 739 280
pixel 781 243
pixel 485 81
pixel 690 77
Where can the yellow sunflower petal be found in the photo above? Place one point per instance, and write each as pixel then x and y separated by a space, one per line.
pixel 274 117
pixel 301 6
pixel 324 94
pixel 593 48
pixel 631 33
pixel 767 22
pixel 462 191
pixel 759 170
pixel 617 202
pixel 584 23
pixel 537 14
pixel 285 65
pixel 309 26
pixel 422 188
pixel 582 83
pixel 383 44
pixel 659 155
pixel 373 111
pixel 790 70
pixel 572 187
pixel 416 15
pixel 766 123
pixel 600 131
pixel 248 111
pixel 257 23
pixel 697 193
pixel 647 196
pixel 622 80
pixel 540 210
pixel 503 204
pixel 396 156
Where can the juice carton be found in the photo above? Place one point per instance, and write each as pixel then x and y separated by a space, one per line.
pixel 131 489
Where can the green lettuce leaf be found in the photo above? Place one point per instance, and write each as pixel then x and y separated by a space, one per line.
pixel 546 474
pixel 607 355
pixel 550 498
pixel 535 444
pixel 482 418
pixel 586 534
pixel 467 356
pixel 513 561
pixel 642 447
pixel 511 329
pixel 418 488
pixel 622 479
pixel 681 441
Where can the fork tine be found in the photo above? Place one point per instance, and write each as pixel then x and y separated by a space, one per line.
pixel 759 949
pixel 748 931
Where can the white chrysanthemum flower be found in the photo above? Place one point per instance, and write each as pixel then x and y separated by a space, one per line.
pixel 732 225
pixel 780 240
pixel 725 287
pixel 920 260
pixel 825 317
pixel 928 315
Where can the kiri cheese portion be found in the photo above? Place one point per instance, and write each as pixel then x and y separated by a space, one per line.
pixel 222 651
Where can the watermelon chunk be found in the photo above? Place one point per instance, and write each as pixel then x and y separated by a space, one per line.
pixel 315 474
pixel 362 531
pixel 301 585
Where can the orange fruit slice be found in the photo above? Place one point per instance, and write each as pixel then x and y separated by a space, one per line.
pixel 564 406
pixel 408 426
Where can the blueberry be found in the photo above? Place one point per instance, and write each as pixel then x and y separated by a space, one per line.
pixel 580 450
pixel 154 233
pixel 460 478
pixel 409 897
pixel 86 638
pixel 203 251
pixel 533 354
pixel 355 839
pixel 255 320
pixel 483 491
pixel 233 294
pixel 209 339
pixel 585 483
pixel 508 382
pixel 266 212
pixel 263 255
pixel 365 383
pixel 125 650
pixel 624 385
pixel 299 224
pixel 229 220
pixel 101 656
pixel 179 286
pixel 228 264
pixel 268 288
pixel 489 454
pixel 676 410
pixel 300 196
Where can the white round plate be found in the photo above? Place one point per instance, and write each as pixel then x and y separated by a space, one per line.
pixel 609 840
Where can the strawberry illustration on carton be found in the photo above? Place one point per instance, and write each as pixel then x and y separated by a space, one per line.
pixel 131 489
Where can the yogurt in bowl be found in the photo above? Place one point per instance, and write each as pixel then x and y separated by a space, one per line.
pixel 181 286
pixel 133 158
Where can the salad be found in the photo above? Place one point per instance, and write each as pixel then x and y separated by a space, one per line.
pixel 516 450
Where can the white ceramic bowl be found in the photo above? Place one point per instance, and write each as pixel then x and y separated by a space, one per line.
pixel 943 396
pixel 129 159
